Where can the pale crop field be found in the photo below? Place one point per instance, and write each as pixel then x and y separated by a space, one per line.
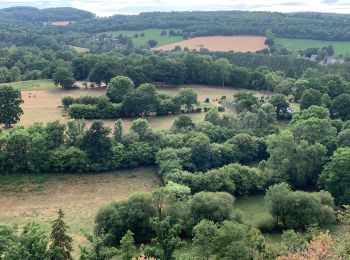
pixel 220 43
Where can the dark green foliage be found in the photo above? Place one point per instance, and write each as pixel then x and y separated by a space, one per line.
pixel 97 143
pixel 335 176
pixel 281 105
pixel 61 243
pixel 134 214
pixel 298 210
pixel 63 76
pixel 310 97
pixel 10 102
pixel 340 107
pixel 216 207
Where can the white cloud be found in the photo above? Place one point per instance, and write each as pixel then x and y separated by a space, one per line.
pixel 109 7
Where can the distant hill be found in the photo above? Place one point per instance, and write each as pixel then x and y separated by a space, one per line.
pixel 35 15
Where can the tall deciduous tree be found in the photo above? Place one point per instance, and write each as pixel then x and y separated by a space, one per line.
pixel 118 88
pixel 10 106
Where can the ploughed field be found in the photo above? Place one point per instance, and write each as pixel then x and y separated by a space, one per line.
pixel 220 43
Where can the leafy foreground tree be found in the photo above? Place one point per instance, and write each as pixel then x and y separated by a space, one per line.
pixel 10 106
pixel 335 176
pixel 166 240
pixel 204 234
pixel 127 246
pixel 61 245
pixel 97 250
pixel 31 245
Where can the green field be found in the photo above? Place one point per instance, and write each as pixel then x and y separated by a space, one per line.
pixel 41 84
pixel 150 34
pixel 340 47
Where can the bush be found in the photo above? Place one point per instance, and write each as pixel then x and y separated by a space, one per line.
pixel 266 224
pixel 221 109
pixel 212 206
pixel 67 101
pixel 109 111
pixel 134 214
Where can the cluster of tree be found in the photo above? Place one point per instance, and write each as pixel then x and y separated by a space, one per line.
pixel 123 100
pixel 169 214
pixel 33 242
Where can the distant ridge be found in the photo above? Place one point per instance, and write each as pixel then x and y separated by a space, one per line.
pixel 36 15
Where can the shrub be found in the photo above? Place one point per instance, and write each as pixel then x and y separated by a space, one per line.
pixel 67 101
pixel 134 214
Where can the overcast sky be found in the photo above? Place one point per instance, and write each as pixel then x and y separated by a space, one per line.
pixel 110 7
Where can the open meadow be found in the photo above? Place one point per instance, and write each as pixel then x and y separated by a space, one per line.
pixel 25 198
pixel 42 102
pixel 220 43
pixel 340 47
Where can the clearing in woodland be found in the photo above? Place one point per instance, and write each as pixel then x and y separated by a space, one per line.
pixel 220 43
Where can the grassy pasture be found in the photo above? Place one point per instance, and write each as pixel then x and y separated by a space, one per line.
pixel 44 105
pixel 31 85
pixel 26 198
pixel 150 34
pixel 340 47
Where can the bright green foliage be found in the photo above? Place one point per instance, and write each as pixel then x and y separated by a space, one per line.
pixel 204 234
pixel 140 126
pixel 8 239
pixel 182 123
pixel 213 116
pixel 61 243
pixel 166 239
pixel 294 241
pixel 237 241
pixel 118 88
pixel 127 246
pixel 335 177
pixel 32 244
pixel 10 106
pixel 188 98
pixel 97 250
pixel 169 195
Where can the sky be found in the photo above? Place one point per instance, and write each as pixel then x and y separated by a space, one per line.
pixel 110 7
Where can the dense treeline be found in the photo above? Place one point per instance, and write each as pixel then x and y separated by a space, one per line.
pixel 35 15
pixel 293 25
